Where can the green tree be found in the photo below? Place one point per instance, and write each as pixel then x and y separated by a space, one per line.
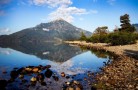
pixel 101 30
pixel 83 37
pixel 125 24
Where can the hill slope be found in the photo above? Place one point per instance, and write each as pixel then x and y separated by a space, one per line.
pixel 57 30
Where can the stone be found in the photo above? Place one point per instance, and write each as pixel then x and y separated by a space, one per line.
pixel 14 74
pixel 21 76
pixel 3 84
pixel 55 78
pixel 68 83
pixel 40 77
pixel 77 88
pixel 43 83
pixel 28 69
pixel 4 72
pixel 35 70
pixel 33 79
pixel 48 66
pixel 63 74
pixel 48 73
pixel 67 77
pixel 70 88
pixel 76 82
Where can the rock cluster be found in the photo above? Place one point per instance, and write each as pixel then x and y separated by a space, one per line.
pixel 122 73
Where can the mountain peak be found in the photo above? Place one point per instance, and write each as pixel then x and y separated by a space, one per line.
pixel 58 20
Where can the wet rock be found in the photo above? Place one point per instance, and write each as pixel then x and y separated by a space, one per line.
pixel 55 78
pixel 85 78
pixel 40 77
pixel 3 84
pixel 70 88
pixel 20 70
pixel 63 74
pixel 68 83
pixel 24 81
pixel 48 66
pixel 43 83
pixel 4 72
pixel 35 70
pixel 76 82
pixel 67 77
pixel 77 88
pixel 14 74
pixel 28 69
pixel 48 73
pixel 33 79
pixel 93 88
pixel 73 85
pixel 21 76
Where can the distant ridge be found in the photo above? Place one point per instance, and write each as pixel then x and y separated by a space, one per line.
pixel 136 26
pixel 57 30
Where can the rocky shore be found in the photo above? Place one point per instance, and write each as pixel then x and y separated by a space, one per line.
pixel 122 72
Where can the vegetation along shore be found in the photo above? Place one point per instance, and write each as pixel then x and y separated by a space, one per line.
pixel 122 72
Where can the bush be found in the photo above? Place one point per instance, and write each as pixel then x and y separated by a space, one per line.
pixel 136 36
pixel 98 38
pixel 121 38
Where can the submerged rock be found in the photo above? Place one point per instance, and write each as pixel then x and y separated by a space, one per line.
pixel 21 76
pixel 14 74
pixel 48 73
pixel 33 79
pixel 3 84
pixel 40 77
pixel 35 70
pixel 55 78
pixel 63 74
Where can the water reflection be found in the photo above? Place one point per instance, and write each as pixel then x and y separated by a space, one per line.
pixel 72 60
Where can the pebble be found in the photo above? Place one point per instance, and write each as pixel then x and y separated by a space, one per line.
pixel 63 74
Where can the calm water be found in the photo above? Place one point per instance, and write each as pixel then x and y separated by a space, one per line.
pixel 72 60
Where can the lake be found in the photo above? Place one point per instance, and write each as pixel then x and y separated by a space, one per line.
pixel 72 60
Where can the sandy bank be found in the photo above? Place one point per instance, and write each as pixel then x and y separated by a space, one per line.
pixel 122 73
pixel 119 50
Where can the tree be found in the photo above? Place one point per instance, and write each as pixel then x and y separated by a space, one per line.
pixel 83 37
pixel 101 30
pixel 125 24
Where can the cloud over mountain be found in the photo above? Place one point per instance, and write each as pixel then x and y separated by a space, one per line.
pixel 63 9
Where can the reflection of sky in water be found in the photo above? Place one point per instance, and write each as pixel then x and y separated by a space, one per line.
pixel 78 64
pixel 81 63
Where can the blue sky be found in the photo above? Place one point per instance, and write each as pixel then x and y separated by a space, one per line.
pixel 16 15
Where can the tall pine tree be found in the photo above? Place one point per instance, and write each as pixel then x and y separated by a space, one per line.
pixel 125 24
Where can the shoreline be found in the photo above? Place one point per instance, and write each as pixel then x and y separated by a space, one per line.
pixel 122 72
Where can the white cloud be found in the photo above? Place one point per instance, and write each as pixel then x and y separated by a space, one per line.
pixel 51 3
pixel 4 31
pixel 66 13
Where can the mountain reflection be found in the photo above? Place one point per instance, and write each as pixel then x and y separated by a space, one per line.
pixel 58 52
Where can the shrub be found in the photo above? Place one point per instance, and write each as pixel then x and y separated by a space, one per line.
pixel 121 38
pixel 99 38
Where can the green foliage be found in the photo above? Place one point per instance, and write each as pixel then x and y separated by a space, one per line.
pixel 125 24
pixel 136 36
pixel 101 30
pixel 83 37
pixel 99 38
pixel 121 38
